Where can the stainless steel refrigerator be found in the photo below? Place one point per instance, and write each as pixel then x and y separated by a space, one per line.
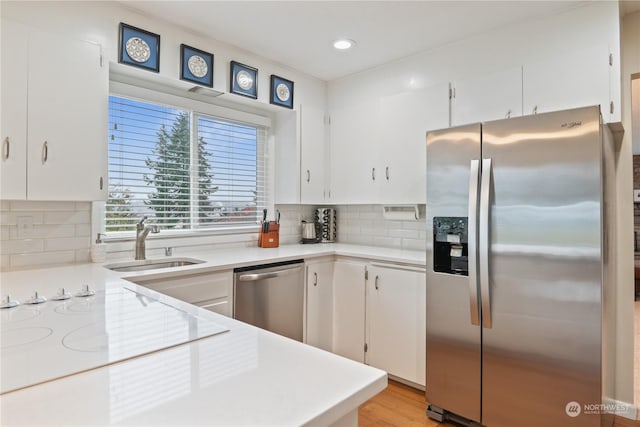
pixel 517 271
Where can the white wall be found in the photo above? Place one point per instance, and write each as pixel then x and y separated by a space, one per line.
pixel 525 43
pixel 98 21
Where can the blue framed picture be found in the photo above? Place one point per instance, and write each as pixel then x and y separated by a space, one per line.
pixel 281 92
pixel 244 80
pixel 197 65
pixel 139 48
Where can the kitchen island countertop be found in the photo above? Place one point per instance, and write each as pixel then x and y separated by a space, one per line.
pixel 246 376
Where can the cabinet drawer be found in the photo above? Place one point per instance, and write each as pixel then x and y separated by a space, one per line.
pixel 197 288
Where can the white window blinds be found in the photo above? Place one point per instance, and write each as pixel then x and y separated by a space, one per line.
pixel 182 169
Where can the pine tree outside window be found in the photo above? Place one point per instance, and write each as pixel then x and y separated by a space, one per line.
pixel 182 169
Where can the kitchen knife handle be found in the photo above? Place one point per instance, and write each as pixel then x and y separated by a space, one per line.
pixel 472 233
pixel 483 241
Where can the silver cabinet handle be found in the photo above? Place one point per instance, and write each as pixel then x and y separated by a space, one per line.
pixel 6 148
pixel 45 152
pixel 101 183
pixel 308 175
pixel 375 283
pixel 315 279
pixel 483 241
pixel 387 173
pixel 373 174
pixel 472 239
pixel 535 110
pixel 508 115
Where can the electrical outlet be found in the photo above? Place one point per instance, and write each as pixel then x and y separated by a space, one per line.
pixel 636 196
pixel 25 227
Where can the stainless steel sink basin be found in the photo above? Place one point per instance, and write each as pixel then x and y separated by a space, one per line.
pixel 152 264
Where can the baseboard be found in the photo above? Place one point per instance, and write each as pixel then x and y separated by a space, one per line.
pixel 621 409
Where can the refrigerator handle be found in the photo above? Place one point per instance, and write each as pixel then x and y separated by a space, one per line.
pixel 472 239
pixel 483 241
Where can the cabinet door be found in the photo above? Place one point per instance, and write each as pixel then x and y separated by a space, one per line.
pixel 576 79
pixel 319 313
pixel 487 97
pixel 13 124
pixel 67 119
pixel 396 322
pixel 313 163
pixel 348 303
pixel 287 157
pixel 354 144
pixel 405 119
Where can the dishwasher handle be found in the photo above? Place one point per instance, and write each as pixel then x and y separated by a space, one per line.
pixel 252 277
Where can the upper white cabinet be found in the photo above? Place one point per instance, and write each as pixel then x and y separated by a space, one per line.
pixel 486 97
pixel 405 119
pixel 348 306
pixel 319 307
pixel 13 124
pixel 355 139
pixel 63 111
pixel 577 78
pixel 313 164
pixel 287 157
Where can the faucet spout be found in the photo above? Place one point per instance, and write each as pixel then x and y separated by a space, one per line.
pixel 142 232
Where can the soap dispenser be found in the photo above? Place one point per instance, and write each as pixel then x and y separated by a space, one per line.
pixel 99 250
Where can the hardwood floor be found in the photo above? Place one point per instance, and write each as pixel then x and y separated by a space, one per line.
pixel 400 405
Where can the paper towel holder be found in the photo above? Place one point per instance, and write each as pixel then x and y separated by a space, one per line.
pixel 401 212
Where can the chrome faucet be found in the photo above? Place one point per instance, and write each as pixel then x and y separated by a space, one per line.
pixel 141 235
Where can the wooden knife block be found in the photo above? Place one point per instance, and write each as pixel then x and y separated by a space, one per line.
pixel 270 239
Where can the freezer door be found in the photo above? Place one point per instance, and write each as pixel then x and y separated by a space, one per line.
pixel 542 341
pixel 453 333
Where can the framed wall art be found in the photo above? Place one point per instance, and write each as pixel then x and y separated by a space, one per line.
pixel 139 48
pixel 196 65
pixel 281 92
pixel 244 80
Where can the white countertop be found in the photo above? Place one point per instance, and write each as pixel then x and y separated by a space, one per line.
pixel 246 376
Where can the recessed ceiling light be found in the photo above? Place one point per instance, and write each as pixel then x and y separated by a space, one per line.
pixel 343 44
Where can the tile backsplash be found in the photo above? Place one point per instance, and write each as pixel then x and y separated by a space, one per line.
pixel 44 233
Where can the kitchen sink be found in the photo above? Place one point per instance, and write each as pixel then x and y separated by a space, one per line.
pixel 152 264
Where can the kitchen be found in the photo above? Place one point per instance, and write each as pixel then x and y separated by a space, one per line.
pixel 311 167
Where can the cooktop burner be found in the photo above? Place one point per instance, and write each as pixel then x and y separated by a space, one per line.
pixel 58 338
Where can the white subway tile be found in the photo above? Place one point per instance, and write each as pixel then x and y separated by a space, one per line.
pixel 414 225
pixel 66 243
pixel 70 217
pixel 369 215
pixel 5 205
pixel 37 259
pixel 83 255
pixel 5 262
pixel 22 246
pixel 44 232
pixel 34 206
pixel 410 234
pixel 83 230
pixel 389 242
pixel 414 244
pixel 83 206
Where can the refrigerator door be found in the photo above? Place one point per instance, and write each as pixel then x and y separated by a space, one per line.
pixel 542 316
pixel 453 331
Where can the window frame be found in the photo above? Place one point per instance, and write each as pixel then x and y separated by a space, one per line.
pixel 166 96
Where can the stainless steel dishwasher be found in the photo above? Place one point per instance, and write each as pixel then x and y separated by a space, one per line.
pixel 271 296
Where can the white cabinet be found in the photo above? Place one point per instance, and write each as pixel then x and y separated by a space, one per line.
pixel 63 112
pixel 405 119
pixel 577 78
pixel 313 161
pixel 13 124
pixel 319 306
pixel 355 140
pixel 212 291
pixel 287 158
pixel 396 321
pixel 349 309
pixel 492 96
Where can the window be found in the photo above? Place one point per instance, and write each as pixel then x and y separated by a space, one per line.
pixel 182 169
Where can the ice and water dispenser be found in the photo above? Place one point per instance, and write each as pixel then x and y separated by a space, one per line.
pixel 450 245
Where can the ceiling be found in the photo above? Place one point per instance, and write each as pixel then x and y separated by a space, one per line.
pixel 299 34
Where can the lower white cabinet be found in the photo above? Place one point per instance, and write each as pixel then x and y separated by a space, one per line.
pixel 212 291
pixel 396 320
pixel 319 307
pixel 348 309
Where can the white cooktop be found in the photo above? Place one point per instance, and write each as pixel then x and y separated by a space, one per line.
pixel 55 339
